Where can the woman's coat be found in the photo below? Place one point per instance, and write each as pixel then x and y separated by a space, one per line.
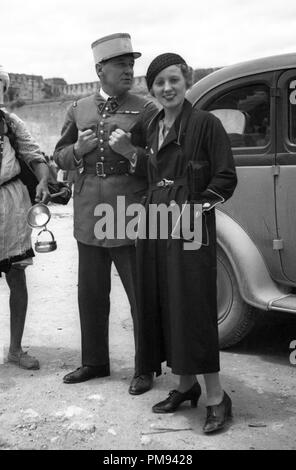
pixel 177 288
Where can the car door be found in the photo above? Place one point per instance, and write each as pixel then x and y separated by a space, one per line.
pixel 246 108
pixel 285 188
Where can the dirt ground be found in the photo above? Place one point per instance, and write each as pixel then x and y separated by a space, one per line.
pixel 38 411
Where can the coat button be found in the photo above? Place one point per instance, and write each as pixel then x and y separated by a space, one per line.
pixel 104 115
pixel 102 149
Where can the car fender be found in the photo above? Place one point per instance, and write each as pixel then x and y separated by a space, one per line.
pixel 256 286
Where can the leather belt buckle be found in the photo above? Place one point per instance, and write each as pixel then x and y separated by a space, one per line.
pixel 100 170
pixel 164 183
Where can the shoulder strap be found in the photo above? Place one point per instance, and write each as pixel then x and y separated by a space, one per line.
pixel 2 122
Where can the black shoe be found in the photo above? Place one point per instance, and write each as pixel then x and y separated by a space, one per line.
pixel 84 373
pixel 141 384
pixel 218 415
pixel 175 399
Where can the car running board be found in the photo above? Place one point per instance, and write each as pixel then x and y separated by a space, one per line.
pixel 286 303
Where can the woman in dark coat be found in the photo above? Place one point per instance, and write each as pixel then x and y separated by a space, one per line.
pixel 177 286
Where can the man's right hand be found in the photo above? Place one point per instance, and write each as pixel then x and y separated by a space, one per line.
pixel 87 141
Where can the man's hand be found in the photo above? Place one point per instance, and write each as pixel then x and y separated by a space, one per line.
pixel 42 192
pixel 120 142
pixel 87 141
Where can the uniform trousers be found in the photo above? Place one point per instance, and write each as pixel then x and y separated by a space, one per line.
pixel 94 285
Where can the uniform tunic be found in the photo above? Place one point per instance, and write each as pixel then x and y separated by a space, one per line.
pixel 177 288
pixel 131 113
pixel 15 234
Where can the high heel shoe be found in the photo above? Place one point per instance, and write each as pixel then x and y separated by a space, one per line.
pixel 175 399
pixel 218 415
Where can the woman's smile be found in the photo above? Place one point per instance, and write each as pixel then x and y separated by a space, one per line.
pixel 169 97
pixel 169 87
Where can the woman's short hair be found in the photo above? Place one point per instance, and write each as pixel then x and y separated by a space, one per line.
pixel 187 74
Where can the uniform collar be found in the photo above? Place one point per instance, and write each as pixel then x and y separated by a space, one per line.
pixel 104 94
pixel 101 97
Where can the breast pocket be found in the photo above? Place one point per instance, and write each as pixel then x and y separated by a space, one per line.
pixel 123 121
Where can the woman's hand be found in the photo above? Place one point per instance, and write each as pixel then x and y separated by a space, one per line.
pixel 42 173
pixel 42 192
pixel 120 142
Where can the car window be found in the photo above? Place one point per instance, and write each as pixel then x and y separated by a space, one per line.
pixel 292 111
pixel 245 115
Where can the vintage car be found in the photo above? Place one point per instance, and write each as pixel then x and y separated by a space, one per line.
pixel 256 228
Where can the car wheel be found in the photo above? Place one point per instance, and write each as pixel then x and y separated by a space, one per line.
pixel 235 317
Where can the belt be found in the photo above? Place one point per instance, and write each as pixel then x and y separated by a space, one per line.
pixel 166 183
pixel 104 169
pixel 10 181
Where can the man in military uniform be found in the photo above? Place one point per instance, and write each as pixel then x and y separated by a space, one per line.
pixel 102 176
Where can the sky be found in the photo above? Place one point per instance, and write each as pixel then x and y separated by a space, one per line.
pixel 52 38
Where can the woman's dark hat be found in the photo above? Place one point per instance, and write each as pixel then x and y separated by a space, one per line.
pixel 160 63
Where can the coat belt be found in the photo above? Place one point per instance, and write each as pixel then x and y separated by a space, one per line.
pixel 166 183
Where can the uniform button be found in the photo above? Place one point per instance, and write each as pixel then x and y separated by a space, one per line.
pixel 104 115
pixel 101 123
pixel 107 109
pixel 102 149
pixel 101 141
pixel 102 158
pixel 101 132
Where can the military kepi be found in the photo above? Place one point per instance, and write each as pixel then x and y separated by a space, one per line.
pixel 113 45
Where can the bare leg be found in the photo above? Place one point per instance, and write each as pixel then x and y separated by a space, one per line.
pixel 18 301
pixel 214 389
pixel 186 382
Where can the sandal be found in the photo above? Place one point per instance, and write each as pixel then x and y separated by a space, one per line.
pixel 23 360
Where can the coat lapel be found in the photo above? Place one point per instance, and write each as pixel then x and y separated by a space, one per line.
pixel 177 131
pixel 152 132
pixel 175 134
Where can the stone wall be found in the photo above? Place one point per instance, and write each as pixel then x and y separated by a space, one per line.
pixel 30 88
pixel 79 89
pixel 26 87
pixel 88 88
pixel 44 121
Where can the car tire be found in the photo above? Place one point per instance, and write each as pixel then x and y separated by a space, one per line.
pixel 235 317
